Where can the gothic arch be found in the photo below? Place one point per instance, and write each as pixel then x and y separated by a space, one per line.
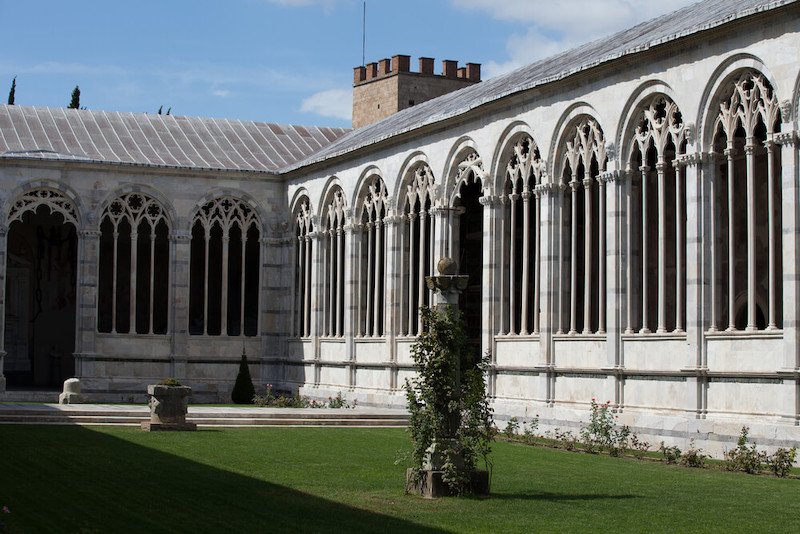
pixel 464 162
pixel 219 193
pixel 719 83
pixel 225 266
pixel 134 264
pixel 641 97
pixel 576 113
pixel 333 186
pixel 361 190
pixel 298 197
pixel 58 197
pixel 158 196
pixel 406 175
pixel 503 150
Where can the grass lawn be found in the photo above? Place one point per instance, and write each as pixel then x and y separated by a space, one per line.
pixel 111 479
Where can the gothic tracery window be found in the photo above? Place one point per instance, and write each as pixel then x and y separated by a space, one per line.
pixel 303 230
pixel 333 250
pixel 133 285
pixel 224 273
pixel 655 265
pixel 746 268
pixel 520 228
pixel 372 261
pixel 417 236
pixel 582 247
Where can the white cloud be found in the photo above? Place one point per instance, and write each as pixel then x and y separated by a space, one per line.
pixel 222 93
pixel 335 103
pixel 553 27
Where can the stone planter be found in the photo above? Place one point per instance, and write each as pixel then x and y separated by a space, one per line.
pixel 168 407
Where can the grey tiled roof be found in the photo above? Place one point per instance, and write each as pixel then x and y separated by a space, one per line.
pixel 689 20
pixel 156 140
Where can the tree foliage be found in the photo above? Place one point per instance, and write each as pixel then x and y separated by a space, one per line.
pixel 447 399
pixel 75 101
pixel 12 92
pixel 243 390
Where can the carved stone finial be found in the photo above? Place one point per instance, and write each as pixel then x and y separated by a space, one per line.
pixel 786 110
pixel 611 151
pixel 447 267
pixel 691 132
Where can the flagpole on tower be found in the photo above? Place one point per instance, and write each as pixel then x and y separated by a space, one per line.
pixel 364 36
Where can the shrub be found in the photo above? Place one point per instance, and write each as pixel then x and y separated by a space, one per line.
pixel 693 457
pixel 567 439
pixel 639 447
pixel 602 433
pixel 511 427
pixel 171 382
pixel 243 390
pixel 782 461
pixel 529 430
pixel 743 457
pixel 671 454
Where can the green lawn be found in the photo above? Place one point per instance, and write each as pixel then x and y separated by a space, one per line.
pixel 109 479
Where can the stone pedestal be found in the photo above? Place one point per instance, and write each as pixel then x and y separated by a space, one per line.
pixel 71 393
pixel 430 484
pixel 168 407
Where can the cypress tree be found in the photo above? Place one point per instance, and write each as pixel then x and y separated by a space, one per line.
pixel 243 390
pixel 159 109
pixel 12 92
pixel 75 103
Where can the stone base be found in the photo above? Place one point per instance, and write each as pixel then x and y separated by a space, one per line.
pixel 70 398
pixel 431 486
pixel 150 426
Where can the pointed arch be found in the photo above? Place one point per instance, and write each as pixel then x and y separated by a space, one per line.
pixel 303 222
pixel 134 263
pixel 654 143
pixel 334 215
pixel 743 118
pixel 579 157
pixel 371 245
pixel 225 266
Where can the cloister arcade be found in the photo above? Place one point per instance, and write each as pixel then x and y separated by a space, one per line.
pixel 628 214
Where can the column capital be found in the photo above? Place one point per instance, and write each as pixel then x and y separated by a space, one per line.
pixel 85 234
pixel 606 177
pixel 587 183
pixel 689 160
pixel 490 201
pixel 789 138
pixel 573 184
pixel 662 165
pixel 729 153
pixel 526 195
pixel 393 220
pixel 549 189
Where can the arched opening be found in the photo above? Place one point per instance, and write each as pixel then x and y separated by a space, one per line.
pixel 224 270
pixel 747 270
pixel 470 257
pixel 41 276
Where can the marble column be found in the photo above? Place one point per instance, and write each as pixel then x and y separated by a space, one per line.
pixel 178 323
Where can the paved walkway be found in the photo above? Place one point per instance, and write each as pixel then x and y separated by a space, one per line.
pixel 133 415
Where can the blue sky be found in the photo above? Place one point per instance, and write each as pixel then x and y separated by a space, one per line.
pixel 286 61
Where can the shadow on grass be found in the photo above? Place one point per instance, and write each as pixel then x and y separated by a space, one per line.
pixel 555 497
pixel 70 479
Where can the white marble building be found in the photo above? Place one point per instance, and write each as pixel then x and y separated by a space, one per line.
pixel 628 213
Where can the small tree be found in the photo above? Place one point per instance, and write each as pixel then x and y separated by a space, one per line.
pixel 12 92
pixel 447 401
pixel 243 390
pixel 75 102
